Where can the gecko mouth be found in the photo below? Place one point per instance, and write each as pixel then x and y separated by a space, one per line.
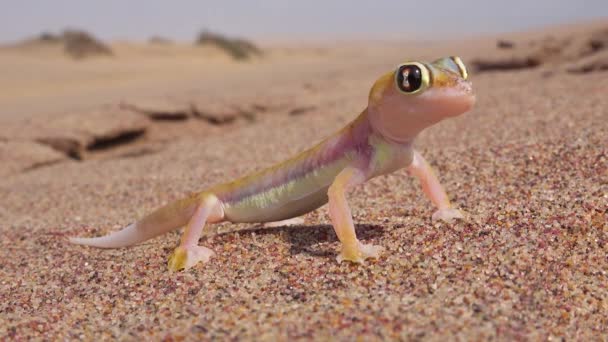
pixel 457 101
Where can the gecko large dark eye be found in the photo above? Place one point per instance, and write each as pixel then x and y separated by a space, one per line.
pixel 409 78
pixel 412 78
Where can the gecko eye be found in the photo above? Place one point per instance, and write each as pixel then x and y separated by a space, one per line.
pixel 412 78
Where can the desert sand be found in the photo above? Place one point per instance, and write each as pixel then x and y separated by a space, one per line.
pixel 87 146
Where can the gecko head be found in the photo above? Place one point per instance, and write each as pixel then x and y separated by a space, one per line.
pixel 417 95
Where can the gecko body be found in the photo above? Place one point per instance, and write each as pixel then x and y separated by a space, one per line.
pixel 299 185
pixel 379 141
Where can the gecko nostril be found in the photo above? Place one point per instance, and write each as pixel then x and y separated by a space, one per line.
pixel 465 87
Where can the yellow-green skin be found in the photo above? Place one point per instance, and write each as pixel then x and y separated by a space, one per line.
pixel 377 142
pixel 299 185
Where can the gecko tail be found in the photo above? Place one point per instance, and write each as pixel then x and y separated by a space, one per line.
pixel 163 220
pixel 128 236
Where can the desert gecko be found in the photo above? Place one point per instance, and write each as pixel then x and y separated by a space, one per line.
pixel 401 104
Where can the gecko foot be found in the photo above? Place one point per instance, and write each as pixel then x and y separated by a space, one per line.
pixel 185 257
pixel 447 215
pixel 359 254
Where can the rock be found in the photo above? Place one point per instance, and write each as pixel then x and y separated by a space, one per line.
pixel 218 113
pixel 163 108
pixel 599 40
pixel 239 49
pixel 102 128
pixel 510 63
pixel 552 51
pixel 77 44
pixel 65 142
pixel 19 156
pixel 221 111
pixel 76 134
pixel 302 110
pixel 80 44
pixel 595 62
pixel 505 44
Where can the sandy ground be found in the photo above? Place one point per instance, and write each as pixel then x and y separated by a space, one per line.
pixel 529 164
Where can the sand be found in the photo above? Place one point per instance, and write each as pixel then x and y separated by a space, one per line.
pixel 529 164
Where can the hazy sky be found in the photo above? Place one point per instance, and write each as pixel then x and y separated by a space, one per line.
pixel 139 19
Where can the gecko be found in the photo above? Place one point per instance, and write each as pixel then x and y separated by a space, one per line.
pixel 401 103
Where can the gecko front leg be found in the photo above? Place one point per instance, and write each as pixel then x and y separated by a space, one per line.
pixel 352 249
pixel 433 189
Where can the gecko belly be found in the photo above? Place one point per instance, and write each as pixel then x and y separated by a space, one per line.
pixel 265 199
pixel 259 210
pixel 298 185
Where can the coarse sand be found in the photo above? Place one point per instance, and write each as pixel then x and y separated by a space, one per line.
pixel 529 164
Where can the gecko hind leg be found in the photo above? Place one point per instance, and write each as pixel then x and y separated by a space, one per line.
pixel 339 211
pixel 189 253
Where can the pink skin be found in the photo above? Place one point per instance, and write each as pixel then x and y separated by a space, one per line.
pixel 189 252
pixel 379 141
pixel 339 212
pixel 400 117
pixel 422 170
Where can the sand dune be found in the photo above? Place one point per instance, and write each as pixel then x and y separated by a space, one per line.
pixel 87 146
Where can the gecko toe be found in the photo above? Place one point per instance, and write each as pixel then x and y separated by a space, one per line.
pixel 360 254
pixel 448 215
pixel 184 258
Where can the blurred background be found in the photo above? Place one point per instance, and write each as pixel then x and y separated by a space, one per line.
pixel 275 19
pixel 88 79
pixel 110 109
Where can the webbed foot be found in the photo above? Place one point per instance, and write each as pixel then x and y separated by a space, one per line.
pixel 185 257
pixel 359 253
pixel 448 215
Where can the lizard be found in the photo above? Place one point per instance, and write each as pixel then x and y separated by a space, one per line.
pixel 401 103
